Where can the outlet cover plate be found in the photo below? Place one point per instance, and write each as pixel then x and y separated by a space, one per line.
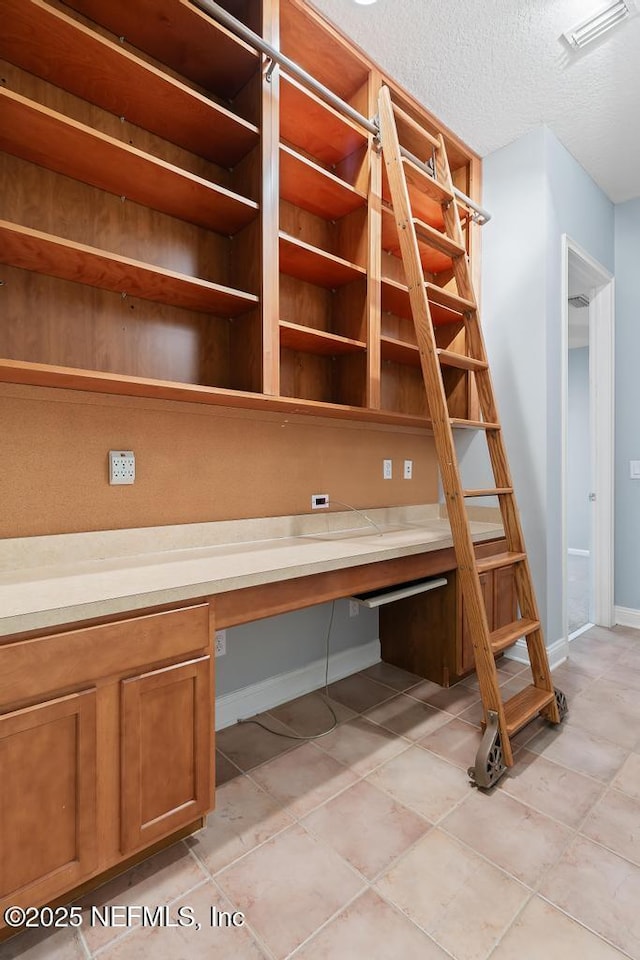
pixel 387 469
pixel 122 466
pixel 221 643
pixel 408 469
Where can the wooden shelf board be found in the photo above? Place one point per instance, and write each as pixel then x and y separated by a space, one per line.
pixel 44 375
pixel 433 261
pixel 398 351
pixel 315 127
pixel 33 250
pixel 57 48
pixel 395 299
pixel 177 33
pixel 424 207
pixel 51 140
pixel 301 260
pixel 413 136
pixel 294 336
pixel 309 186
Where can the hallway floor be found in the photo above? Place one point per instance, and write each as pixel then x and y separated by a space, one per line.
pixel 578 572
pixel 370 842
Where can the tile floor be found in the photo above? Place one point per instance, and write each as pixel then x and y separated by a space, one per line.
pixel 578 588
pixel 370 842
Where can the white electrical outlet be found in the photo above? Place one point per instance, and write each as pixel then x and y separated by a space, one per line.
pixel 354 608
pixel 319 501
pixel 122 466
pixel 387 469
pixel 408 469
pixel 221 643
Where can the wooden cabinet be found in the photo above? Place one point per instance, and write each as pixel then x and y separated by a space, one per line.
pixel 48 763
pixel 202 232
pixel 499 592
pixel 166 741
pixel 106 746
pixel 428 635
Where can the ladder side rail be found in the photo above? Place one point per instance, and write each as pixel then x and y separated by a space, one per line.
pixel 439 415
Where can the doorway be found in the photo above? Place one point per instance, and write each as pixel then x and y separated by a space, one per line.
pixel 587 425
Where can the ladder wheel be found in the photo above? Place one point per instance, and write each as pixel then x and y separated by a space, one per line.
pixel 490 765
pixel 561 702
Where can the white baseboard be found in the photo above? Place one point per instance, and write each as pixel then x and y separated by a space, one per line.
pixel 575 552
pixel 270 693
pixel 627 617
pixel 557 652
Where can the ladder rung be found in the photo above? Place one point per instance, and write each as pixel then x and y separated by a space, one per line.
pixel 437 240
pixel 491 492
pixel 473 424
pixel 415 126
pixel 450 300
pixel 483 564
pixel 524 706
pixel 506 636
pixel 426 184
pixel 448 358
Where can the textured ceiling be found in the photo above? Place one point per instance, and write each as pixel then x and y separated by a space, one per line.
pixel 494 69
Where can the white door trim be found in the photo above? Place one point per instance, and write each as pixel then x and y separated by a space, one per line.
pixel 601 383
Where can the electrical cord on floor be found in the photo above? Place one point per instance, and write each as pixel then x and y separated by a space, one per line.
pixel 324 733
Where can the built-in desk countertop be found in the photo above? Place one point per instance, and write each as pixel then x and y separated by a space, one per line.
pixel 48 581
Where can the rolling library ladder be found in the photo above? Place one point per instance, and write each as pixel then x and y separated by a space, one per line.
pixel 503 719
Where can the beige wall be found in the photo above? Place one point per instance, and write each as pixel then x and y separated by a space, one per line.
pixel 194 463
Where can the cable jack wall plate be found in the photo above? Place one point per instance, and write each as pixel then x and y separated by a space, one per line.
pixel 319 501
pixel 122 466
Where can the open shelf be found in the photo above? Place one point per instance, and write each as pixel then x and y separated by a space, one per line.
pixel 296 337
pixel 49 139
pixel 33 250
pixel 180 35
pixel 315 189
pixel 313 126
pixel 424 206
pixel 43 41
pixel 41 374
pixel 398 351
pixel 301 260
pixel 433 260
pixel 446 307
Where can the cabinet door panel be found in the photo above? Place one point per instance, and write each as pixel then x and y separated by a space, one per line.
pixel 505 605
pixel 167 750
pixel 467 658
pixel 47 798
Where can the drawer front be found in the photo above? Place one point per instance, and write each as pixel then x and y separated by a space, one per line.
pixel 30 668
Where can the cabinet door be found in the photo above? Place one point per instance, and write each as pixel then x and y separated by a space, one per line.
pixel 467 658
pixel 505 604
pixel 47 798
pixel 167 751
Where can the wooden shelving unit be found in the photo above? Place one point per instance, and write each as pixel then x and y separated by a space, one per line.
pixel 201 233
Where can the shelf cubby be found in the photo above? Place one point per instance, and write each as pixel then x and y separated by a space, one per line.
pixel 54 256
pixel 434 261
pixel 294 336
pixel 49 139
pixel 311 125
pixel 313 265
pixel 42 40
pixel 311 187
pixel 180 36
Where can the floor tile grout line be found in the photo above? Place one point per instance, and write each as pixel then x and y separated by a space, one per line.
pixel 584 926
pixel 325 923
pixel 131 930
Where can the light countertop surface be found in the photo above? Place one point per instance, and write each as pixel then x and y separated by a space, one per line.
pixel 48 581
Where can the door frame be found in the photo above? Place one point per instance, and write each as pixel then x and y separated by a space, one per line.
pixel 601 403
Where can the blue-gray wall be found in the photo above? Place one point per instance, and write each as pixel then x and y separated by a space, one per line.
pixel 536 192
pixel 627 491
pixel 578 451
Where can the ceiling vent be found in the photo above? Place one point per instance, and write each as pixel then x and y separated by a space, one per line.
pixel 599 24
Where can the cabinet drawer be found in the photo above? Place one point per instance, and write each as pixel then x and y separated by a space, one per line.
pixel 30 668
